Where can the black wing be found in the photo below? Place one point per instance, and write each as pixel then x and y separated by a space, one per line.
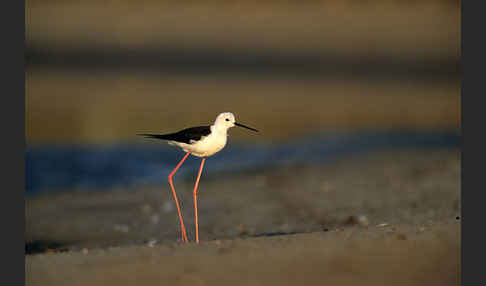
pixel 183 136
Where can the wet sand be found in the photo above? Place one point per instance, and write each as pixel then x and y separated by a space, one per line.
pixel 398 255
pixel 374 219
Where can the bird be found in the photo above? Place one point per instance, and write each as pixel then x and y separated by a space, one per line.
pixel 202 142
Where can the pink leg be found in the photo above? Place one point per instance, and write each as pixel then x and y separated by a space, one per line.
pixel 183 229
pixel 195 197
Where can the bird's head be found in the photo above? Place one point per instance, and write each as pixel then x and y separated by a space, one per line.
pixel 227 120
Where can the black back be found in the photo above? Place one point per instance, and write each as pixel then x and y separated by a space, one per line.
pixel 183 136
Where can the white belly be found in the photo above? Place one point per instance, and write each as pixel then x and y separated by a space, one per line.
pixel 205 147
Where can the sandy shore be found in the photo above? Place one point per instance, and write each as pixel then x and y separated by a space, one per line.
pixel 398 255
pixel 377 219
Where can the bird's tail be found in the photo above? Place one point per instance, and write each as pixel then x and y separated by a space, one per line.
pixel 156 136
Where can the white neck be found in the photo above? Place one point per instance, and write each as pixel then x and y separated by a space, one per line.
pixel 219 129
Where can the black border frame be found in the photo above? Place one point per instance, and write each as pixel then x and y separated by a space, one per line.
pixel 12 122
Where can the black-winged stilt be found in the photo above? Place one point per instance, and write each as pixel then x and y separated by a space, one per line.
pixel 200 141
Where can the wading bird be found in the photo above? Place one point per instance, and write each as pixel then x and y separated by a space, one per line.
pixel 200 141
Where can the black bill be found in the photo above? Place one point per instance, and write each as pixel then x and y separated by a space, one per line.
pixel 241 125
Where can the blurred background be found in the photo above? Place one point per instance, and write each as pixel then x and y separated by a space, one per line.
pixel 99 72
pixel 321 80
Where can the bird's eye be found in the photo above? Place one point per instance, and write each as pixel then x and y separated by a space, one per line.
pixel 227 119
